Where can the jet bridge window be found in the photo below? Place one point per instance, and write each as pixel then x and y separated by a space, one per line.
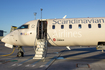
pixel 79 26
pixel 89 25
pixel 99 25
pixel 53 26
pixel 62 26
pixel 23 27
pixel 70 26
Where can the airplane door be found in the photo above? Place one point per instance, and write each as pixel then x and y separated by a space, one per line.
pixel 42 30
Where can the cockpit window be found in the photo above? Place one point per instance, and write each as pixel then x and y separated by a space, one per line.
pixel 23 27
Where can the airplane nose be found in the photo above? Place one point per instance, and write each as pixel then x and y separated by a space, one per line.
pixel 3 39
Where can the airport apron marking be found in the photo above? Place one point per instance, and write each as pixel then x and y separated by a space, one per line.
pixel 25 61
pixel 19 64
pixel 35 62
pixel 47 64
pixel 8 60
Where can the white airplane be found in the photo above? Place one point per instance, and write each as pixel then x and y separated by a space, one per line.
pixel 58 32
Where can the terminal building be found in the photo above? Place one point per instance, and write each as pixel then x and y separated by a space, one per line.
pixel 1 34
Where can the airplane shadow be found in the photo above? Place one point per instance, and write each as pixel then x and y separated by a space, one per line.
pixel 86 58
pixel 87 51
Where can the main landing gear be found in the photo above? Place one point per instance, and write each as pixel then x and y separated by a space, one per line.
pixel 21 52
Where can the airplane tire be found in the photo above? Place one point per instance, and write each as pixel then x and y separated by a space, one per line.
pixel 20 54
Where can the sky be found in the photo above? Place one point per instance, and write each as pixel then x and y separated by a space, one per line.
pixel 18 12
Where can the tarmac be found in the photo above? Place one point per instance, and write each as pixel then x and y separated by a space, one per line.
pixel 58 58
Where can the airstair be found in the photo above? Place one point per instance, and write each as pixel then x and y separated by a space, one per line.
pixel 41 48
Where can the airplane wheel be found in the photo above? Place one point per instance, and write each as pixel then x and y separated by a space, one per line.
pixel 20 54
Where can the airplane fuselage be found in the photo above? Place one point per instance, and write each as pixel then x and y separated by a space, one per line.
pixel 60 32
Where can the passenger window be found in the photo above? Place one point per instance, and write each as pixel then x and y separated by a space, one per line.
pixel 53 26
pixel 89 25
pixel 99 25
pixel 62 26
pixel 70 26
pixel 79 26
pixel 23 27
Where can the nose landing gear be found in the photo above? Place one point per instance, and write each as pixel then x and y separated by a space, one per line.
pixel 21 52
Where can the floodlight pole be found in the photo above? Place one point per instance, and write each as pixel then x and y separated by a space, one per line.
pixel 41 25
pixel 35 15
pixel 41 13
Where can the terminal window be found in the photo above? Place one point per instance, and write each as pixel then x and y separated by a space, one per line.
pixel 1 33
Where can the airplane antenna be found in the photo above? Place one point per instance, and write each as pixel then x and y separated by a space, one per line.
pixel 65 16
pixel 35 15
